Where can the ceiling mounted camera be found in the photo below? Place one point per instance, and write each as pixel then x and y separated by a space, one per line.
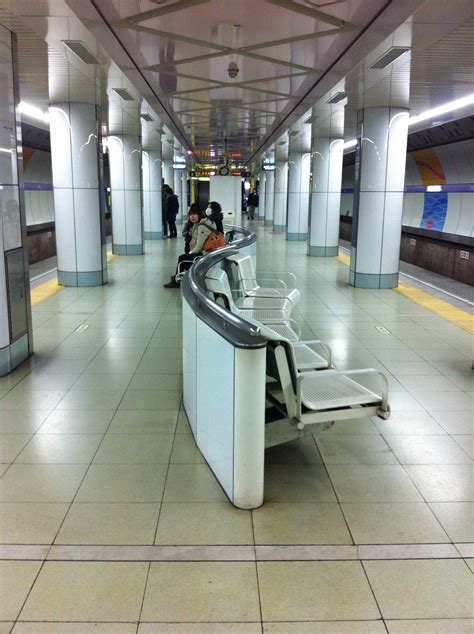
pixel 233 70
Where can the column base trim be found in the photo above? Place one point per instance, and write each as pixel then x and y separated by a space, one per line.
pixel 375 280
pixel 82 278
pixel 296 236
pixel 153 235
pixel 281 228
pixel 323 252
pixel 127 249
pixel 14 354
pixel 268 223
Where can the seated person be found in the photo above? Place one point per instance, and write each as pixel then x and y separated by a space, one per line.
pixel 194 215
pixel 202 227
pixel 214 213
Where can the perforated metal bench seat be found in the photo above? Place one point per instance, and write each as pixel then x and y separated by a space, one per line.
pixel 330 390
pixel 307 359
pixel 293 295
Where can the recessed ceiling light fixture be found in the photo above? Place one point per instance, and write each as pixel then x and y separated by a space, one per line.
pixel 146 117
pixel 78 48
pixel 390 56
pixel 123 94
pixel 338 97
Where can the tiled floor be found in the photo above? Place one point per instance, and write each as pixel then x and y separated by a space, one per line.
pixel 110 521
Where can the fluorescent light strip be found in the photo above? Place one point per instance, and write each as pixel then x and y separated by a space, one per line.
pixel 428 114
pixel 33 112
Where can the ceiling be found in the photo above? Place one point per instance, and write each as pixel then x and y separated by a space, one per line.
pixel 290 56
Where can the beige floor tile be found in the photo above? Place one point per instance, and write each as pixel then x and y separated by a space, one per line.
pixel 144 422
pixel 422 589
pixel 7 626
pixel 74 628
pixel 408 423
pixel 199 628
pixel 22 422
pixel 88 523
pixel 151 399
pixel 466 442
pixel 443 483
pixel 123 483
pixel 427 450
pixel 457 519
pixel 22 523
pixel 20 399
pixel 456 422
pixel 183 424
pixel 77 422
pixel 326 627
pixel 433 626
pixel 185 450
pixel 372 483
pixel 297 483
pixel 41 483
pixel 445 401
pixel 201 592
pixel 300 451
pixel 90 399
pixel 11 445
pixel 135 449
pixel 359 427
pixel 311 590
pixel 355 450
pixel 205 523
pixel 87 591
pixel 192 483
pixel 16 577
pixel 395 523
pixel 60 449
pixel 470 563
pixel 156 382
pixel 317 523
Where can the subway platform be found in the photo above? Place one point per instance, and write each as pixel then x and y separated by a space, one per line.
pixel 112 522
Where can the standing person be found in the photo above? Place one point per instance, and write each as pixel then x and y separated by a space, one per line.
pixel 214 213
pixel 252 204
pixel 194 215
pixel 172 209
pixel 164 196
pixel 202 227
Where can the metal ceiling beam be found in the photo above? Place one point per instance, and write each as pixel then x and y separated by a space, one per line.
pixel 159 11
pixel 310 12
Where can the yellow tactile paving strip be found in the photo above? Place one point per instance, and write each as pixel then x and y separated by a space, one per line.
pixel 456 316
pixel 45 291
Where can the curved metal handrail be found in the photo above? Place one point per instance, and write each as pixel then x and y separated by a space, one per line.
pixel 236 330
pixel 248 236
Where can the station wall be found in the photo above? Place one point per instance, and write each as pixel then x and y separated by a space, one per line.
pixel 448 173
pixel 37 174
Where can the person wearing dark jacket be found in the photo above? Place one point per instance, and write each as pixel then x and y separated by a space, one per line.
pixel 164 218
pixel 214 213
pixel 172 209
pixel 252 204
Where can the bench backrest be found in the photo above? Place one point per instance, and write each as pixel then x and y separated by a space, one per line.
pixel 218 283
pixel 246 271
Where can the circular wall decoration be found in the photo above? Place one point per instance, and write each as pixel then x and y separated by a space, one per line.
pixel 224 171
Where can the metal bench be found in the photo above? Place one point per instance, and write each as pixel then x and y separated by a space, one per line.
pixel 321 397
pixel 272 287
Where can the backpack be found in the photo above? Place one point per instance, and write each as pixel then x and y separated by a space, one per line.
pixel 215 240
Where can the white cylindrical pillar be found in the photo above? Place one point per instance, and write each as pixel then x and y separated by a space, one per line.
pixel 378 196
pixel 261 196
pixel 152 216
pixel 184 194
pixel 269 191
pixel 125 183
pixel 280 196
pixel 325 196
pixel 16 331
pixel 299 164
pixel 168 172
pixel 78 194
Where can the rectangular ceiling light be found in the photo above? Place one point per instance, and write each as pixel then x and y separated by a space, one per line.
pixel 123 94
pixel 338 97
pixel 146 117
pixel 390 56
pixel 78 48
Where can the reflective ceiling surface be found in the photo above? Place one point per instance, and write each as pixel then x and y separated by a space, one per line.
pixel 231 79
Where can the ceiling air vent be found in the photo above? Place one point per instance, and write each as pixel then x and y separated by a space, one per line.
pixel 293 132
pixel 146 117
pixel 390 56
pixel 78 48
pixel 281 143
pixel 123 94
pixel 338 97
